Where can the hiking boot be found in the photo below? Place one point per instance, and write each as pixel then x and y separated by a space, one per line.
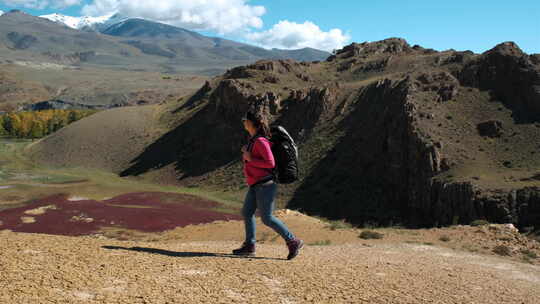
pixel 294 248
pixel 247 249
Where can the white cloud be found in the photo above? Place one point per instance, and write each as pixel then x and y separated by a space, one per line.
pixel 292 35
pixel 221 16
pixel 41 4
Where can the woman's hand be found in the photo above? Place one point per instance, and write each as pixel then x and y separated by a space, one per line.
pixel 247 155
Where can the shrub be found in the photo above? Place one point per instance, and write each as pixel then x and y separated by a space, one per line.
pixel 370 234
pixel 479 223
pixel 321 243
pixel 336 225
pixel 444 238
pixel 502 250
pixel 470 247
pixel 529 254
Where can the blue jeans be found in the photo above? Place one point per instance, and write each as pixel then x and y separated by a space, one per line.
pixel 262 197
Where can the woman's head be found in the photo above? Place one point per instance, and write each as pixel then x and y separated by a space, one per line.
pixel 256 123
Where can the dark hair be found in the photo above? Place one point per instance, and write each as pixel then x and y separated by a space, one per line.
pixel 260 122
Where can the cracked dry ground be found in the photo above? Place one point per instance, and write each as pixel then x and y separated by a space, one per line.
pixel 37 268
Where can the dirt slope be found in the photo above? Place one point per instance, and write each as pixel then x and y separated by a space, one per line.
pixel 105 140
pixel 192 265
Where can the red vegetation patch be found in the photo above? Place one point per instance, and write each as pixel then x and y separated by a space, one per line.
pixel 147 211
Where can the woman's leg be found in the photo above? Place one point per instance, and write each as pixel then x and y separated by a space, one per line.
pixel 248 212
pixel 265 195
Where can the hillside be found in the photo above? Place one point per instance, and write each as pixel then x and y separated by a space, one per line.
pixel 134 61
pixel 452 134
pixel 25 84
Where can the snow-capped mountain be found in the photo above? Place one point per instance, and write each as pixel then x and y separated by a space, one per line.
pixel 95 23
pixel 1 13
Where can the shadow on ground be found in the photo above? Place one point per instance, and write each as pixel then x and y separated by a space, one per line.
pixel 186 254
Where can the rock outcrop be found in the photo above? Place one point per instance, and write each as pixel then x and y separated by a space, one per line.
pixel 490 128
pixel 21 41
pixel 512 76
pixel 388 133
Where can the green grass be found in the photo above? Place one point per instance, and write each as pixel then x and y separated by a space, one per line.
pixel 529 254
pixel 476 223
pixel 31 180
pixel 526 259
pixel 321 243
pixel 337 225
pixel 470 248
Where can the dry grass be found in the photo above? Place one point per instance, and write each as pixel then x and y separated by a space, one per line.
pixel 502 250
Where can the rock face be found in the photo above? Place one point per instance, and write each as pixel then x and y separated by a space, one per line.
pixel 21 41
pixel 491 128
pixel 443 83
pixel 511 75
pixel 388 133
pixel 387 46
pixel 386 173
pixel 74 58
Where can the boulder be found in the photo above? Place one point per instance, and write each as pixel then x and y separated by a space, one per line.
pixel 490 128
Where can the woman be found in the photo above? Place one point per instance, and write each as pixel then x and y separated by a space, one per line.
pixel 258 170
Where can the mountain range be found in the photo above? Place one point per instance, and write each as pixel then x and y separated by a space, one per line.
pixel 84 22
pixel 113 60
pixel 170 48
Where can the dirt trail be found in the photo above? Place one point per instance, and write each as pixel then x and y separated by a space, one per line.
pixel 192 265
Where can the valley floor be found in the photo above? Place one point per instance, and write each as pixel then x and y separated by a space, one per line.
pixel 192 265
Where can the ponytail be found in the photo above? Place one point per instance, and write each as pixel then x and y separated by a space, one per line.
pixel 261 123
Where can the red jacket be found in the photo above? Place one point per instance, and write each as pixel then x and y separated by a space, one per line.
pixel 262 160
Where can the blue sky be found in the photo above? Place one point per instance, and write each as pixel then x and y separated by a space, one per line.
pixel 475 25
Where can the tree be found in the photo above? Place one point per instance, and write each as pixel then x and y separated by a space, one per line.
pixel 3 131
pixel 14 125
pixel 40 123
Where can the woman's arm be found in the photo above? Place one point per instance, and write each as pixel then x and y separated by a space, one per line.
pixel 261 156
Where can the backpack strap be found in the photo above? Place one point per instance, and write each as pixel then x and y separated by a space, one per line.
pixel 251 141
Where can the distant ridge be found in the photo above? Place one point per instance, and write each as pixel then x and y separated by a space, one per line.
pixel 133 43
